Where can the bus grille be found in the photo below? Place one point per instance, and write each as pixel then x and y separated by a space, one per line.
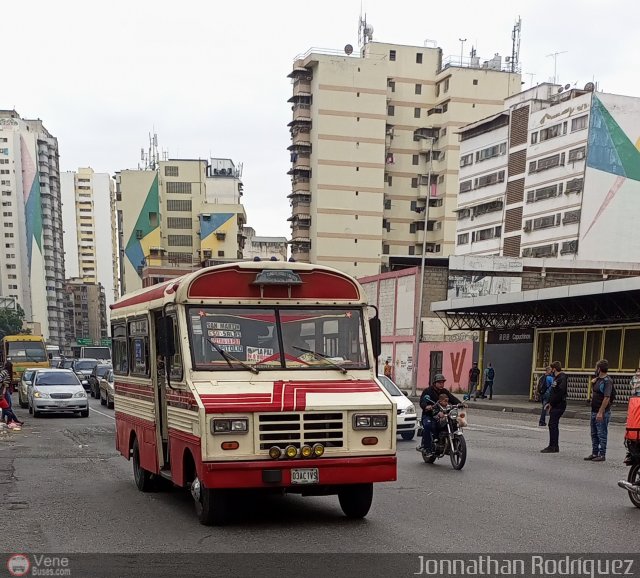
pixel 298 429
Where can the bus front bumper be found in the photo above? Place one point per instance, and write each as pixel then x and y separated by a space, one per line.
pixel 284 473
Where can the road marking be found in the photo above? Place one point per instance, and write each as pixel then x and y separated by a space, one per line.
pixel 104 414
pixel 522 427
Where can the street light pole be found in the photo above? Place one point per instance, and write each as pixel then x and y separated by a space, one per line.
pixel 418 324
pixel 462 41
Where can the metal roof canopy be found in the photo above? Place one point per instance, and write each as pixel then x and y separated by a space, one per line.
pixel 602 302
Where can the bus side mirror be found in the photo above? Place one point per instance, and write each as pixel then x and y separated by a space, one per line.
pixel 376 336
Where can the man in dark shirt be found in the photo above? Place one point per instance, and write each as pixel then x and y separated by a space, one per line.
pixel 601 393
pixel 556 406
pixel 474 377
pixel 428 400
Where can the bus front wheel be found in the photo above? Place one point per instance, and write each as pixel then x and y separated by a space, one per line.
pixel 355 500
pixel 145 481
pixel 213 507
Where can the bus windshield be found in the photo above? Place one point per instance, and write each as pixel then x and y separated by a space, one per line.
pixel 27 351
pixel 224 338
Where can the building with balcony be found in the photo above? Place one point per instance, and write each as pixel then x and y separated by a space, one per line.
pixel 90 228
pixel 264 247
pixel 32 256
pixel 553 175
pixel 373 141
pixel 85 311
pixel 177 217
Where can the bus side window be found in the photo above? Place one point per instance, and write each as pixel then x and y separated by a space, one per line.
pixel 139 347
pixel 169 344
pixel 120 352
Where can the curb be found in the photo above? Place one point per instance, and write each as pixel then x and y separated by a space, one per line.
pixel 570 413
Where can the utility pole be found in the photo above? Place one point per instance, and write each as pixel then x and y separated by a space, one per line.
pixel 555 55
pixel 418 324
pixel 462 41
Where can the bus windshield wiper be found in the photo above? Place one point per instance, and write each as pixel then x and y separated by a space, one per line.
pixel 321 356
pixel 229 358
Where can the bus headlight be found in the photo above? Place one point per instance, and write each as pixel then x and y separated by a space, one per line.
pixel 306 451
pixel 291 451
pixel 318 450
pixel 364 421
pixel 223 426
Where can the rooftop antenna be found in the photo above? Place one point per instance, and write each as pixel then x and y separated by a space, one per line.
pixel 515 45
pixel 365 31
pixel 462 41
pixel 530 75
pixel 555 63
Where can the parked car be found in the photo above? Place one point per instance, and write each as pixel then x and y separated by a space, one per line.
pixel 99 371
pixel 407 418
pixel 23 387
pixel 83 368
pixel 107 389
pixel 57 390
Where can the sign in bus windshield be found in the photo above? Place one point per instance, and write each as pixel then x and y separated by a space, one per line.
pixel 33 351
pixel 224 338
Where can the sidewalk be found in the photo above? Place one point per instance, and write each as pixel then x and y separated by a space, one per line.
pixel 520 404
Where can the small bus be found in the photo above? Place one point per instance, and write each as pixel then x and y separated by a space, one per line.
pixel 24 351
pixel 257 375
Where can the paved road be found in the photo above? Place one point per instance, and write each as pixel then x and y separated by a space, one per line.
pixel 66 490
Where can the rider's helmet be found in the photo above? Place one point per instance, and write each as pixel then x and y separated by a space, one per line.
pixel 439 377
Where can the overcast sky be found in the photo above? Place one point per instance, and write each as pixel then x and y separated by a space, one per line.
pixel 210 77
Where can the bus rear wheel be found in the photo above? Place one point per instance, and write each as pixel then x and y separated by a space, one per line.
pixel 355 500
pixel 213 507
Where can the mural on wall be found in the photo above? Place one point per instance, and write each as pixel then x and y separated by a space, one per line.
pixel 145 233
pixel 612 184
pixel 214 228
pixel 470 285
pixel 32 201
pixel 456 363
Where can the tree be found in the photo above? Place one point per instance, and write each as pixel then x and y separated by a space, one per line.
pixel 11 322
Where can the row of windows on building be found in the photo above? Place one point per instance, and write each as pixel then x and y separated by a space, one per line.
pixel 484 154
pixel 560 129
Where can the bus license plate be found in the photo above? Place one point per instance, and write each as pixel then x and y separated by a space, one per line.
pixel 306 476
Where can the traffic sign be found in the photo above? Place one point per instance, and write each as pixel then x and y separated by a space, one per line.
pixel 84 341
pixel 105 342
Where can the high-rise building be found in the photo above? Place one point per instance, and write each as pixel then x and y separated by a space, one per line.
pixel 555 174
pixel 263 247
pixel 177 217
pixel 90 229
pixel 32 256
pixel 373 140
pixel 85 312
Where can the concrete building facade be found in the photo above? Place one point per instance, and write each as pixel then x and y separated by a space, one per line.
pixel 567 171
pixel 373 141
pixel 32 259
pixel 263 247
pixel 85 311
pixel 177 217
pixel 90 228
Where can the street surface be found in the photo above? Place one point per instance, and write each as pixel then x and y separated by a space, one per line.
pixel 66 490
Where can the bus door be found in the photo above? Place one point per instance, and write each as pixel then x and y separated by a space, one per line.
pixel 160 382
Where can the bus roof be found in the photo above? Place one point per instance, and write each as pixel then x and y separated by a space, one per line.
pixel 254 282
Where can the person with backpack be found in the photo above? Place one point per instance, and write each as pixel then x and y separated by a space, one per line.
pixel 489 376
pixel 474 377
pixel 543 391
pixel 556 406
pixel 603 395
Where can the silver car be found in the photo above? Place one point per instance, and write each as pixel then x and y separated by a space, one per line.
pixel 107 390
pixel 56 390
pixel 23 387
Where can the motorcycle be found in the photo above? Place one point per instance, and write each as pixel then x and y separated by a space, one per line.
pixel 632 483
pixel 450 440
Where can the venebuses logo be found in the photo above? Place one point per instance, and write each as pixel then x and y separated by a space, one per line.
pixel 18 565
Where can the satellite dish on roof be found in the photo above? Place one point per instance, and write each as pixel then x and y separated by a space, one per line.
pixel 589 87
pixel 348 49
pixel 560 89
pixel 567 86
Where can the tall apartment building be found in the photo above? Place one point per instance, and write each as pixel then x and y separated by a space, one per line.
pixel 32 256
pixel 373 139
pixel 90 231
pixel 177 217
pixel 85 311
pixel 555 174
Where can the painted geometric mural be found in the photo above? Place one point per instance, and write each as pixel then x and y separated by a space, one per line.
pixel 212 225
pixel 32 200
pixel 145 234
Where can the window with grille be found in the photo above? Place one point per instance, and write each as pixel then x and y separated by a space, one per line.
pixel 464 214
pixel 466 160
pixel 178 188
pixel 179 223
pixel 546 163
pixel 577 154
pixel 490 179
pixel 571 217
pixel 179 205
pixel 490 152
pixel 486 234
pixel 574 186
pixel 466 186
pixel 579 123
pixel 463 239
pixel 170 171
pixel 180 240
pixel 544 193
pixel 553 131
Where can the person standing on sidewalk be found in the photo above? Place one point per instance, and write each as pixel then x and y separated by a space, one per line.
pixel 543 393
pixel 474 377
pixel 489 376
pixel 602 395
pixel 557 405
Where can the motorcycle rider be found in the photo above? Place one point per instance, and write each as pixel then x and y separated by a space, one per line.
pixel 428 400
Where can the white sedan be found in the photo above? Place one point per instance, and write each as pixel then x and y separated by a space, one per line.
pixel 57 390
pixel 407 421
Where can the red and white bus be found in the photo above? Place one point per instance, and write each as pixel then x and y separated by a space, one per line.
pixel 253 375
